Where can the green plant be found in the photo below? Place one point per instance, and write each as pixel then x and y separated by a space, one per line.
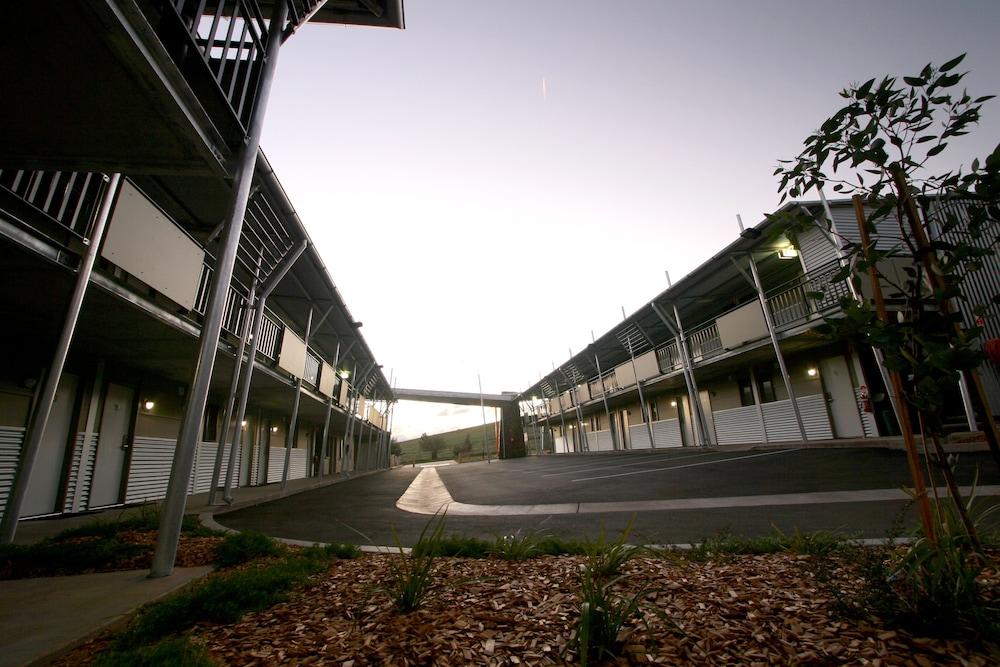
pixel 222 598
pixel 239 548
pixel 342 551
pixel 606 559
pixel 455 545
pixel 411 575
pixel 67 556
pixel 603 615
pixel 167 653
pixel 819 543
pixel 886 136
pixel 96 528
pixel 558 546
pixel 516 546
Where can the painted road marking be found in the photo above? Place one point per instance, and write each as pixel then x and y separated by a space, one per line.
pixel 427 494
pixel 570 471
pixel 687 465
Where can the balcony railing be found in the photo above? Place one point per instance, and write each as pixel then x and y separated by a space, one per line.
pixel 229 37
pixel 68 198
pixel 313 364
pixel 271 331
pixel 705 342
pixel 668 358
pixel 795 303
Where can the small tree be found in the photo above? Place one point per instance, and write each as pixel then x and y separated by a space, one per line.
pixel 430 444
pixel 395 449
pixel 878 147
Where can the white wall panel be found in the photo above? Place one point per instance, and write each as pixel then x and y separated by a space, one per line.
pixel 142 240
pixel 292 357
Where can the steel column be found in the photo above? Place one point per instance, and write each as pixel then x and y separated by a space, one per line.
pixel 562 417
pixel 329 411
pixel 700 429
pixel 172 509
pixel 40 415
pixel 604 397
pixel 777 348
pixel 258 321
pixel 290 437
pixel 642 399
pixel 234 387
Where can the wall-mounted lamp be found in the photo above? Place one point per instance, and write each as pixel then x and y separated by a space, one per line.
pixel 344 374
pixel 673 404
pixel 149 405
pixel 243 423
pixel 274 429
pixel 788 253
pixel 812 372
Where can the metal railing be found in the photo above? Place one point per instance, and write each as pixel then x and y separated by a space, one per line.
pixel 668 357
pixel 271 332
pixel 229 37
pixel 313 364
pixel 810 295
pixel 705 342
pixel 67 197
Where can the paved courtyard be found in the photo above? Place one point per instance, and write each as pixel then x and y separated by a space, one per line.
pixel 676 496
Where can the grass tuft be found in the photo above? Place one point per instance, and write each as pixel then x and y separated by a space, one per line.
pixel 411 575
pixel 239 548
pixel 174 652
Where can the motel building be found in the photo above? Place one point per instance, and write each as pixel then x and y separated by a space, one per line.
pixel 730 355
pixel 131 177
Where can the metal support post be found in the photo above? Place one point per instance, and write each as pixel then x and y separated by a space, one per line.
pixel 290 437
pixel 482 407
pixel 329 411
pixel 234 386
pixel 50 383
pixel 607 411
pixel 347 449
pixel 642 398
pixel 276 276
pixel 680 340
pixel 562 416
pixel 777 348
pixel 172 509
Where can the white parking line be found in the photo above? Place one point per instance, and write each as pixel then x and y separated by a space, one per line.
pixel 647 459
pixel 688 465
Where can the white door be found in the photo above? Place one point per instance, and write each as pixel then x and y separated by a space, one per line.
pixel 46 475
pixel 115 421
pixel 840 398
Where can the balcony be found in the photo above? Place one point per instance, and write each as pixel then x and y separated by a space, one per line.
pixel 806 298
pixel 143 86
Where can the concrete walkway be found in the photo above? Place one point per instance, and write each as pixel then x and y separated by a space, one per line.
pixel 42 617
pixel 428 495
pixel 45 616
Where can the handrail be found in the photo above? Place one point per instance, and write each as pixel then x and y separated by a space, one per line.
pixel 69 199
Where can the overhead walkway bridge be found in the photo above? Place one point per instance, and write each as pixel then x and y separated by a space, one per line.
pixel 511 443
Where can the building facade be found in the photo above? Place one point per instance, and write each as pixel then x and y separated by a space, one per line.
pixel 730 354
pixel 133 141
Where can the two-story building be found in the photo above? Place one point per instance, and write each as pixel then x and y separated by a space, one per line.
pixel 730 354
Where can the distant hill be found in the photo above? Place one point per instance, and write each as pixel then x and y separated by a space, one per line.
pixel 452 439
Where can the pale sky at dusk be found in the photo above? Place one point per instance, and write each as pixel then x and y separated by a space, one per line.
pixel 496 181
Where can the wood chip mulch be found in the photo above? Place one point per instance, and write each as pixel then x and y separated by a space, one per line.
pixel 749 610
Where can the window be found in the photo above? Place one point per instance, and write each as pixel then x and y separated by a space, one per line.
pixel 766 386
pixel 746 391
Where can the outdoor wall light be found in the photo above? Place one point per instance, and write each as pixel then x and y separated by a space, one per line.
pixel 243 423
pixel 673 404
pixel 274 429
pixel 344 374
pixel 149 405
pixel 788 253
pixel 812 372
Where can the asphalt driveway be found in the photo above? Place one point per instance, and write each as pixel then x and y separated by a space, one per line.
pixel 363 510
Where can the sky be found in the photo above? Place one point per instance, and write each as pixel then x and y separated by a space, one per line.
pixel 497 181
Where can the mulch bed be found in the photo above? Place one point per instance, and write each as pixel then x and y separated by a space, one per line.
pixel 749 610
pixel 744 610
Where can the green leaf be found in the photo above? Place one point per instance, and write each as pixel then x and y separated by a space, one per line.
pixel 951 64
pixel 914 81
pixel 936 149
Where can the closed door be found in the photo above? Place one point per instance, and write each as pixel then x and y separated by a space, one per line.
pixel 46 475
pixel 840 398
pixel 111 446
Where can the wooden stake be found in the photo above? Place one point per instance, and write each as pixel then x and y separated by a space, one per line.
pixel 935 276
pixel 916 473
